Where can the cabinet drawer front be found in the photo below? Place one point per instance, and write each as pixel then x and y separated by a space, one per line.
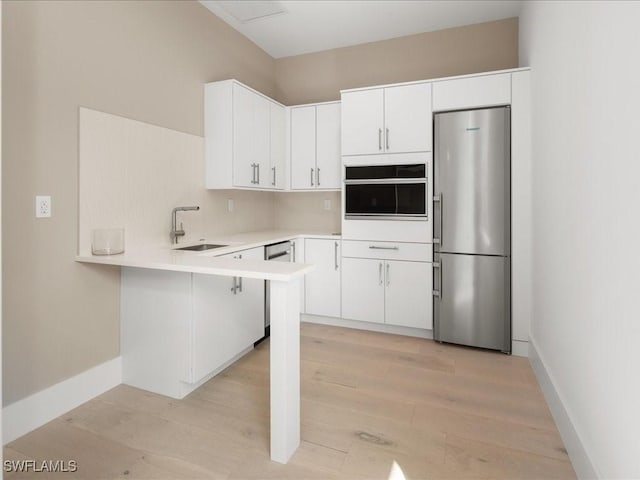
pixel 472 92
pixel 417 252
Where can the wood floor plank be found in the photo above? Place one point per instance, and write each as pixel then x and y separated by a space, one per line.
pixel 371 404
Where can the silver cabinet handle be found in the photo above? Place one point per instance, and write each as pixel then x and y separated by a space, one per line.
pixel 380 273
pixel 388 276
pixel 379 139
pixel 234 288
pixel 438 199
pixel 387 138
pixel 293 252
pixel 240 278
pixel 376 247
pixel 273 182
pixel 335 255
pixel 438 266
pixel 253 173
pixel 318 176
pixel 312 177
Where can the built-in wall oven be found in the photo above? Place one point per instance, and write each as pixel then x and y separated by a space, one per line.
pixel 386 192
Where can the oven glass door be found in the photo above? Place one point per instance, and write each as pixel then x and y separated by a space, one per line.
pixel 386 199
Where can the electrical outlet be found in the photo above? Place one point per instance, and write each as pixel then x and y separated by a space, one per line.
pixel 230 205
pixel 327 204
pixel 43 206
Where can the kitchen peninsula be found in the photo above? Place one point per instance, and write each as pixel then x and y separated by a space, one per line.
pixel 164 266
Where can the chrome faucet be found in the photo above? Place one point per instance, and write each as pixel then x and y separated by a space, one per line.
pixel 175 233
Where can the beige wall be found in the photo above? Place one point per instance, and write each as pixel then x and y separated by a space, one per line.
pixel 143 60
pixel 318 77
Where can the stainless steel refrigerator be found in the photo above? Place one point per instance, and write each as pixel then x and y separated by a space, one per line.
pixel 472 228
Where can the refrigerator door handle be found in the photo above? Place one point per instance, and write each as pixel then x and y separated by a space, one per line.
pixel 438 265
pixel 438 199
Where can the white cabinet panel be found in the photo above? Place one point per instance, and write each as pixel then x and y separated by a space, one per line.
pixel 407 111
pixel 277 146
pixel 226 320
pixel 303 147
pixel 408 300
pixel 322 286
pixel 328 161
pixel 362 122
pixel 243 144
pixel 363 289
pixel 473 92
pixel 261 139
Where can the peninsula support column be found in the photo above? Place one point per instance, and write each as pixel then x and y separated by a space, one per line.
pixel 285 369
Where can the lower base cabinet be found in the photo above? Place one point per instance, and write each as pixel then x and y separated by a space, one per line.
pixel 363 289
pixel 322 285
pixel 393 292
pixel 178 329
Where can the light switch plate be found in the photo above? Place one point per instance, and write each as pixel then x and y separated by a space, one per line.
pixel 327 204
pixel 43 206
pixel 230 205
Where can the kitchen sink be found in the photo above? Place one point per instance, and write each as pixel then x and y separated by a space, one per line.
pixel 201 247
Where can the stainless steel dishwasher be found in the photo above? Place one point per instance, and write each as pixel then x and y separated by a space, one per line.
pixel 276 252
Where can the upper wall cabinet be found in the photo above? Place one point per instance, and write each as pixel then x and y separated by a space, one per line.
pixel 244 138
pixel 315 147
pixel 387 120
pixel 472 92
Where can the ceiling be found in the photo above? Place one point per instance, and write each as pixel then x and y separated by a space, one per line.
pixel 285 28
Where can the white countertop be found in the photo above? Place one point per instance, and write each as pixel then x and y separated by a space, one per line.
pixel 166 257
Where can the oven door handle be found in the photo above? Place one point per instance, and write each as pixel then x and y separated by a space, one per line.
pixel 378 181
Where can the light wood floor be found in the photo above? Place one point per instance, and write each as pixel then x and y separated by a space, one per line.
pixel 369 400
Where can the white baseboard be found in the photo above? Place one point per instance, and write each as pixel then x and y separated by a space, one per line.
pixel 580 458
pixel 519 348
pixel 32 412
pixel 374 327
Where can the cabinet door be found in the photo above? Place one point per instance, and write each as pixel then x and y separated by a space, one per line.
pixel 322 286
pixel 407 111
pixel 408 300
pixel 328 160
pixel 363 289
pixel 303 148
pixel 277 147
pixel 224 323
pixel 249 299
pixel 297 256
pixel 262 139
pixel 243 147
pixel 362 122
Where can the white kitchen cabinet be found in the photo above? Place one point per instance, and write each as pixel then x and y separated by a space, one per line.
pixel 303 147
pixel 228 316
pixel 328 162
pixel 178 329
pixel 297 256
pixel 322 285
pixel 315 147
pixel 408 300
pixel 472 92
pixel 277 146
pixel 387 282
pixel 244 138
pixel 363 289
pixel 387 120
pixel 362 121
